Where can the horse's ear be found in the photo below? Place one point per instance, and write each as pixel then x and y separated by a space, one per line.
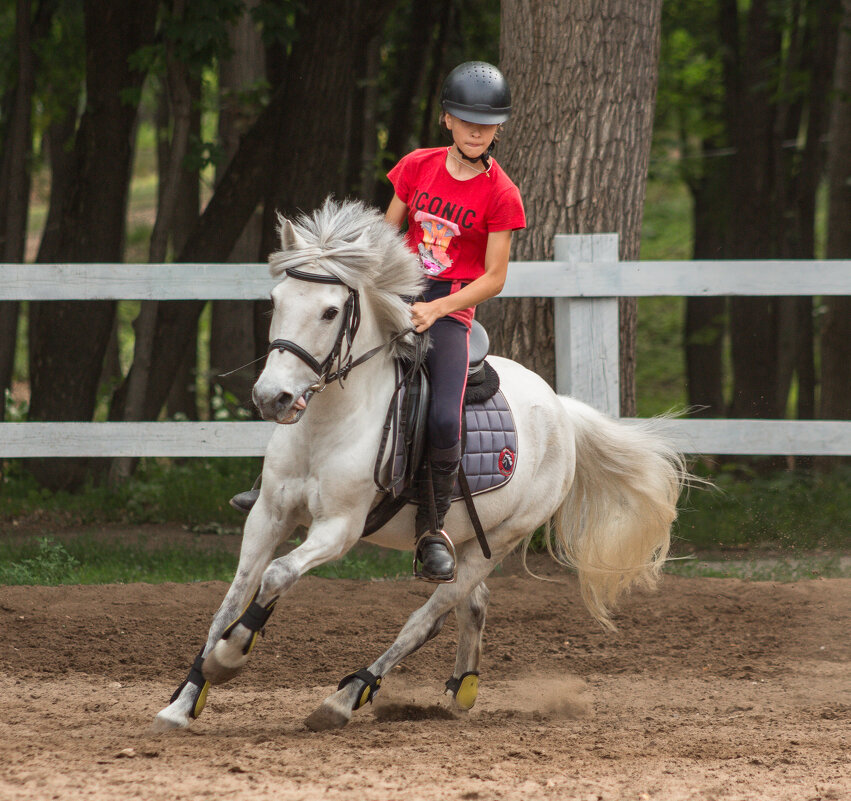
pixel 290 240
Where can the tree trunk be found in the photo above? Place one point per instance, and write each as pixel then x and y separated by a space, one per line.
pixel 584 87
pixel 411 62
pixel 755 321
pixel 836 334
pixel 15 188
pixel 232 329
pixel 293 147
pixel 706 317
pixel 182 397
pixel 180 106
pixel 69 339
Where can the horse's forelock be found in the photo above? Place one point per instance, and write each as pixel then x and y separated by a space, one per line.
pixel 353 242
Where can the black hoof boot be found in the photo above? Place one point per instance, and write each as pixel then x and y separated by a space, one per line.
pixel 434 558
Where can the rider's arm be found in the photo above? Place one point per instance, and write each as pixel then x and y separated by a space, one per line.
pixel 396 211
pixel 486 286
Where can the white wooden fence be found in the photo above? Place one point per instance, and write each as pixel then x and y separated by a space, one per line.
pixel 585 279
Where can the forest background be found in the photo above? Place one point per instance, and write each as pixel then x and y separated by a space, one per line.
pixel 165 130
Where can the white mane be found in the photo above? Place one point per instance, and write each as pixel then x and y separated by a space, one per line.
pixel 354 243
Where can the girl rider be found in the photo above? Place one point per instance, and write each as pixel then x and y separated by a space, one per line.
pixel 460 208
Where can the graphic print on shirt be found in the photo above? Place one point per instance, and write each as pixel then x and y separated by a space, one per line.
pixel 436 235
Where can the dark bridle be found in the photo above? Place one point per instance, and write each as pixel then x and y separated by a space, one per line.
pixel 349 326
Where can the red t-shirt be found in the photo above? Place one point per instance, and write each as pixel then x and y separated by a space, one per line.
pixel 449 220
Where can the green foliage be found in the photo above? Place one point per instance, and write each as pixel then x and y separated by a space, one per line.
pixel 278 21
pixel 224 405
pixel 15 411
pixel 788 511
pixel 690 91
pixel 802 519
pixel 192 492
pixel 666 234
pixel 201 35
pixel 50 564
pixel 61 58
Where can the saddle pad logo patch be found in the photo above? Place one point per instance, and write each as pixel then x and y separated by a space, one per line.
pixel 506 462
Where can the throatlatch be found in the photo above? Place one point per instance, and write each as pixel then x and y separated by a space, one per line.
pixel 202 686
pixel 254 618
pixel 373 684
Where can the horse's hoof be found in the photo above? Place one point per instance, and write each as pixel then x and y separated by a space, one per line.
pixel 223 663
pixel 164 722
pixel 328 716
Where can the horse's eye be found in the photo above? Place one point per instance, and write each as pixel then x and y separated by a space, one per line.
pixel 330 313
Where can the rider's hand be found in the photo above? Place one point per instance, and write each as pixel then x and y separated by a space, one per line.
pixel 423 315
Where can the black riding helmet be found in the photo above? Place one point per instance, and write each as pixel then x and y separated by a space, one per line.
pixel 477 92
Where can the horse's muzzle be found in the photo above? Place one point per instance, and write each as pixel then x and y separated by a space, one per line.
pixel 281 407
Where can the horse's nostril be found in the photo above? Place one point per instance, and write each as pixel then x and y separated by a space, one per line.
pixel 284 400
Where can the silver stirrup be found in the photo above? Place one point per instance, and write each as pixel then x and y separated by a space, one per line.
pixel 419 575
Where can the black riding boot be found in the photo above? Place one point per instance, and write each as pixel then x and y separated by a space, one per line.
pixel 434 559
pixel 244 501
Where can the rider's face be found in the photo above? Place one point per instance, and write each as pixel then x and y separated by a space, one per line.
pixel 470 137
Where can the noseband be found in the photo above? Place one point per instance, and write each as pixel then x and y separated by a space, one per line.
pixel 348 328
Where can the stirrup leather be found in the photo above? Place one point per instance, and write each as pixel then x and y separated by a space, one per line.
pixel 416 565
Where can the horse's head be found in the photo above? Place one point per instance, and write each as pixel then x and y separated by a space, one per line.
pixel 312 313
pixel 330 263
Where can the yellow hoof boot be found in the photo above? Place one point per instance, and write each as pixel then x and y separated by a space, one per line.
pixel 465 689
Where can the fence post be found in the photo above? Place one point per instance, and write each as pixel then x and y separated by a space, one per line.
pixel 586 330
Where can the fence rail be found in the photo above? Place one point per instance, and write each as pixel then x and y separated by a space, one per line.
pixel 584 279
pixel 565 278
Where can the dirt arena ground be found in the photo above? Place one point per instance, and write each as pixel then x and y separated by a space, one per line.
pixel 712 689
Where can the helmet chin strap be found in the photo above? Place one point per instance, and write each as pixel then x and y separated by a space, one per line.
pixel 484 157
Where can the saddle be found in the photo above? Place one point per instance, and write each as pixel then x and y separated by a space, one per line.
pixel 489 440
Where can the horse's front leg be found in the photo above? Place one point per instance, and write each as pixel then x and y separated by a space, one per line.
pixel 260 538
pixel 327 540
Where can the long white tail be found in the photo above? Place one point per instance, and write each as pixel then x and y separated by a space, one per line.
pixel 614 526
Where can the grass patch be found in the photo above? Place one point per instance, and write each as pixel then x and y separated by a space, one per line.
pixel 786 511
pixel 86 560
pixel 368 562
pixel 766 568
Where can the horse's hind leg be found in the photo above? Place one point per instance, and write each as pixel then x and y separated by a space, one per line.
pixel 470 613
pixel 258 546
pixel 425 623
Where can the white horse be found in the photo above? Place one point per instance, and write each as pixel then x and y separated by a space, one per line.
pixel 610 490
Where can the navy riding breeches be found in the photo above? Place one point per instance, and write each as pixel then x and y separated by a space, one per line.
pixel 447 361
